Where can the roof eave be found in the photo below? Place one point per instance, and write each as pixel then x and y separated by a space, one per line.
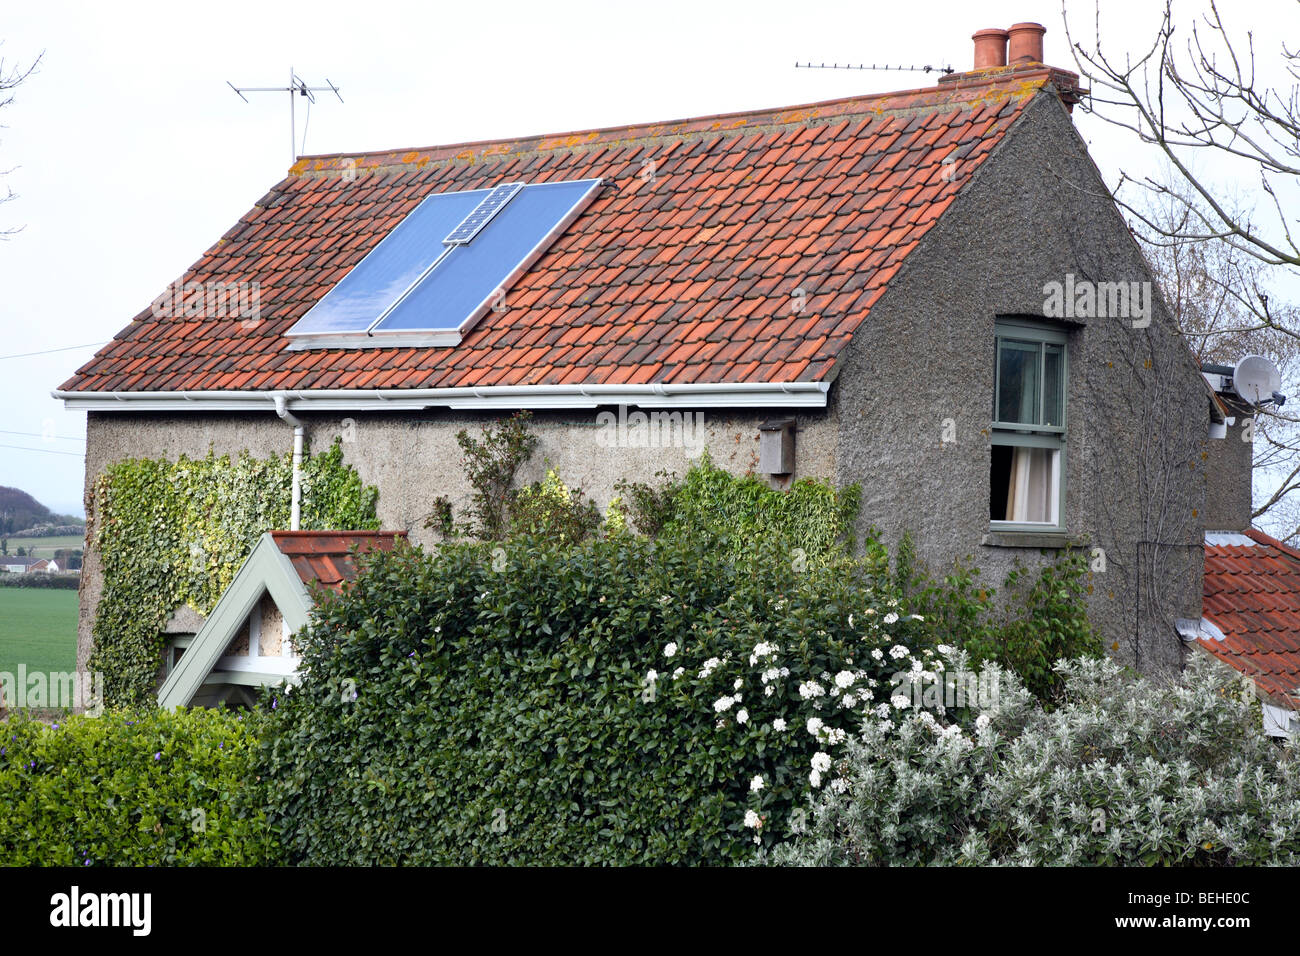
pixel 663 395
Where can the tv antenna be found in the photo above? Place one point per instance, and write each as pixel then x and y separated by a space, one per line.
pixel 872 66
pixel 296 86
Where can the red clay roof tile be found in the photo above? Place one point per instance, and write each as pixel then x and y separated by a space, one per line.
pixel 1252 594
pixel 327 557
pixel 736 212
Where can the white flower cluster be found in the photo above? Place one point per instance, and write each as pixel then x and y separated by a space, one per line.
pixel 762 650
pixel 810 688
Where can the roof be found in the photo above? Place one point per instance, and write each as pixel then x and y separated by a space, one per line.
pixel 733 249
pixel 1252 594
pixel 327 557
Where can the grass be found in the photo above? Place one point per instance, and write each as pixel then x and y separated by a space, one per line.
pixel 38 627
pixel 45 547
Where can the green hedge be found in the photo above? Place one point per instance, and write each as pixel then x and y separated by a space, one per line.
pixel 524 703
pixel 124 789
pixel 39 579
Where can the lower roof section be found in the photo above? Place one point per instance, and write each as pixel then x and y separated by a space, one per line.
pixel 664 395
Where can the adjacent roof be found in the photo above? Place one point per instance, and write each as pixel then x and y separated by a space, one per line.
pixel 327 557
pixel 1252 594
pixel 740 248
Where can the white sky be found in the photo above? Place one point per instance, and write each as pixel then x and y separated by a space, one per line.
pixel 132 155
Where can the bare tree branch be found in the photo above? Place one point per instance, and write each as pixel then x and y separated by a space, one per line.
pixel 11 77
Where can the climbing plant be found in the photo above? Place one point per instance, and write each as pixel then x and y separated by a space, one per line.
pixel 742 510
pixel 171 533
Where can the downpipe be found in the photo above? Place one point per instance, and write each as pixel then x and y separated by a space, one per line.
pixel 295 503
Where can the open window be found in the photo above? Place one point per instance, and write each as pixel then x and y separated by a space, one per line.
pixel 1027 477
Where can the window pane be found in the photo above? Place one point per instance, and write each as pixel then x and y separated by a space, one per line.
pixel 1017 382
pixel 1053 385
pixel 1024 484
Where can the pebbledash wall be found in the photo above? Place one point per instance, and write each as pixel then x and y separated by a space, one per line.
pixel 1034 213
pixel 413 457
pixel 1137 407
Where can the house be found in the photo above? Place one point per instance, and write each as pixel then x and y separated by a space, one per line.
pixel 928 292
pixel 1251 619
pixel 247 641
pixel 16 565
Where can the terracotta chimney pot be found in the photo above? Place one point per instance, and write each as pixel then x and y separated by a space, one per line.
pixel 1026 43
pixel 990 48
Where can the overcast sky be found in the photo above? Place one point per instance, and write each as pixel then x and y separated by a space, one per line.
pixel 133 156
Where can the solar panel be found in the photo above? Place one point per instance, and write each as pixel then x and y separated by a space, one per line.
pixel 389 269
pixel 482 213
pixel 440 269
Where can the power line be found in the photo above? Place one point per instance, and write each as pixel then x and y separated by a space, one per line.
pixel 41 435
pixel 68 348
pixel 48 451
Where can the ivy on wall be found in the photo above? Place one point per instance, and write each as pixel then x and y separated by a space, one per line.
pixel 173 533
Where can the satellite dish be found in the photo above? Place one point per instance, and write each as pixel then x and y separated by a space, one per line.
pixel 1256 379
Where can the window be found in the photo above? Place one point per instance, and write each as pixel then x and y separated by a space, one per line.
pixel 1027 478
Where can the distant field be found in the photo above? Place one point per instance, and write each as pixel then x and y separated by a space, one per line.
pixel 45 547
pixel 38 627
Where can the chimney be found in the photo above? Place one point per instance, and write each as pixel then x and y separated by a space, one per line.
pixel 990 48
pixel 1026 44
pixel 998 61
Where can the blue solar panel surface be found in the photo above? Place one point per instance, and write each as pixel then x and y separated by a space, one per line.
pixel 470 275
pixel 388 270
pixel 475 241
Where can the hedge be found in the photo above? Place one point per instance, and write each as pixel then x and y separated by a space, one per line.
pixel 56 580
pixel 622 701
pixel 131 789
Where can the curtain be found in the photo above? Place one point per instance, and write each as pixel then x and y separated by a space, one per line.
pixel 1029 492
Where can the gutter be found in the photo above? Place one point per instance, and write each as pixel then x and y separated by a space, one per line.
pixel 691 395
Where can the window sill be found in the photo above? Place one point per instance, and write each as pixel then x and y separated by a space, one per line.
pixel 1029 539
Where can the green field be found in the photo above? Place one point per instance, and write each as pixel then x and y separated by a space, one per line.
pixel 45 547
pixel 38 627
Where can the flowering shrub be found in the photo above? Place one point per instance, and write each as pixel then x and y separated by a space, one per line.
pixel 1125 771
pixel 1041 618
pixel 617 701
pixel 124 789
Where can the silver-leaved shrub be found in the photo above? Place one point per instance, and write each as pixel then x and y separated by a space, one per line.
pixel 1125 771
